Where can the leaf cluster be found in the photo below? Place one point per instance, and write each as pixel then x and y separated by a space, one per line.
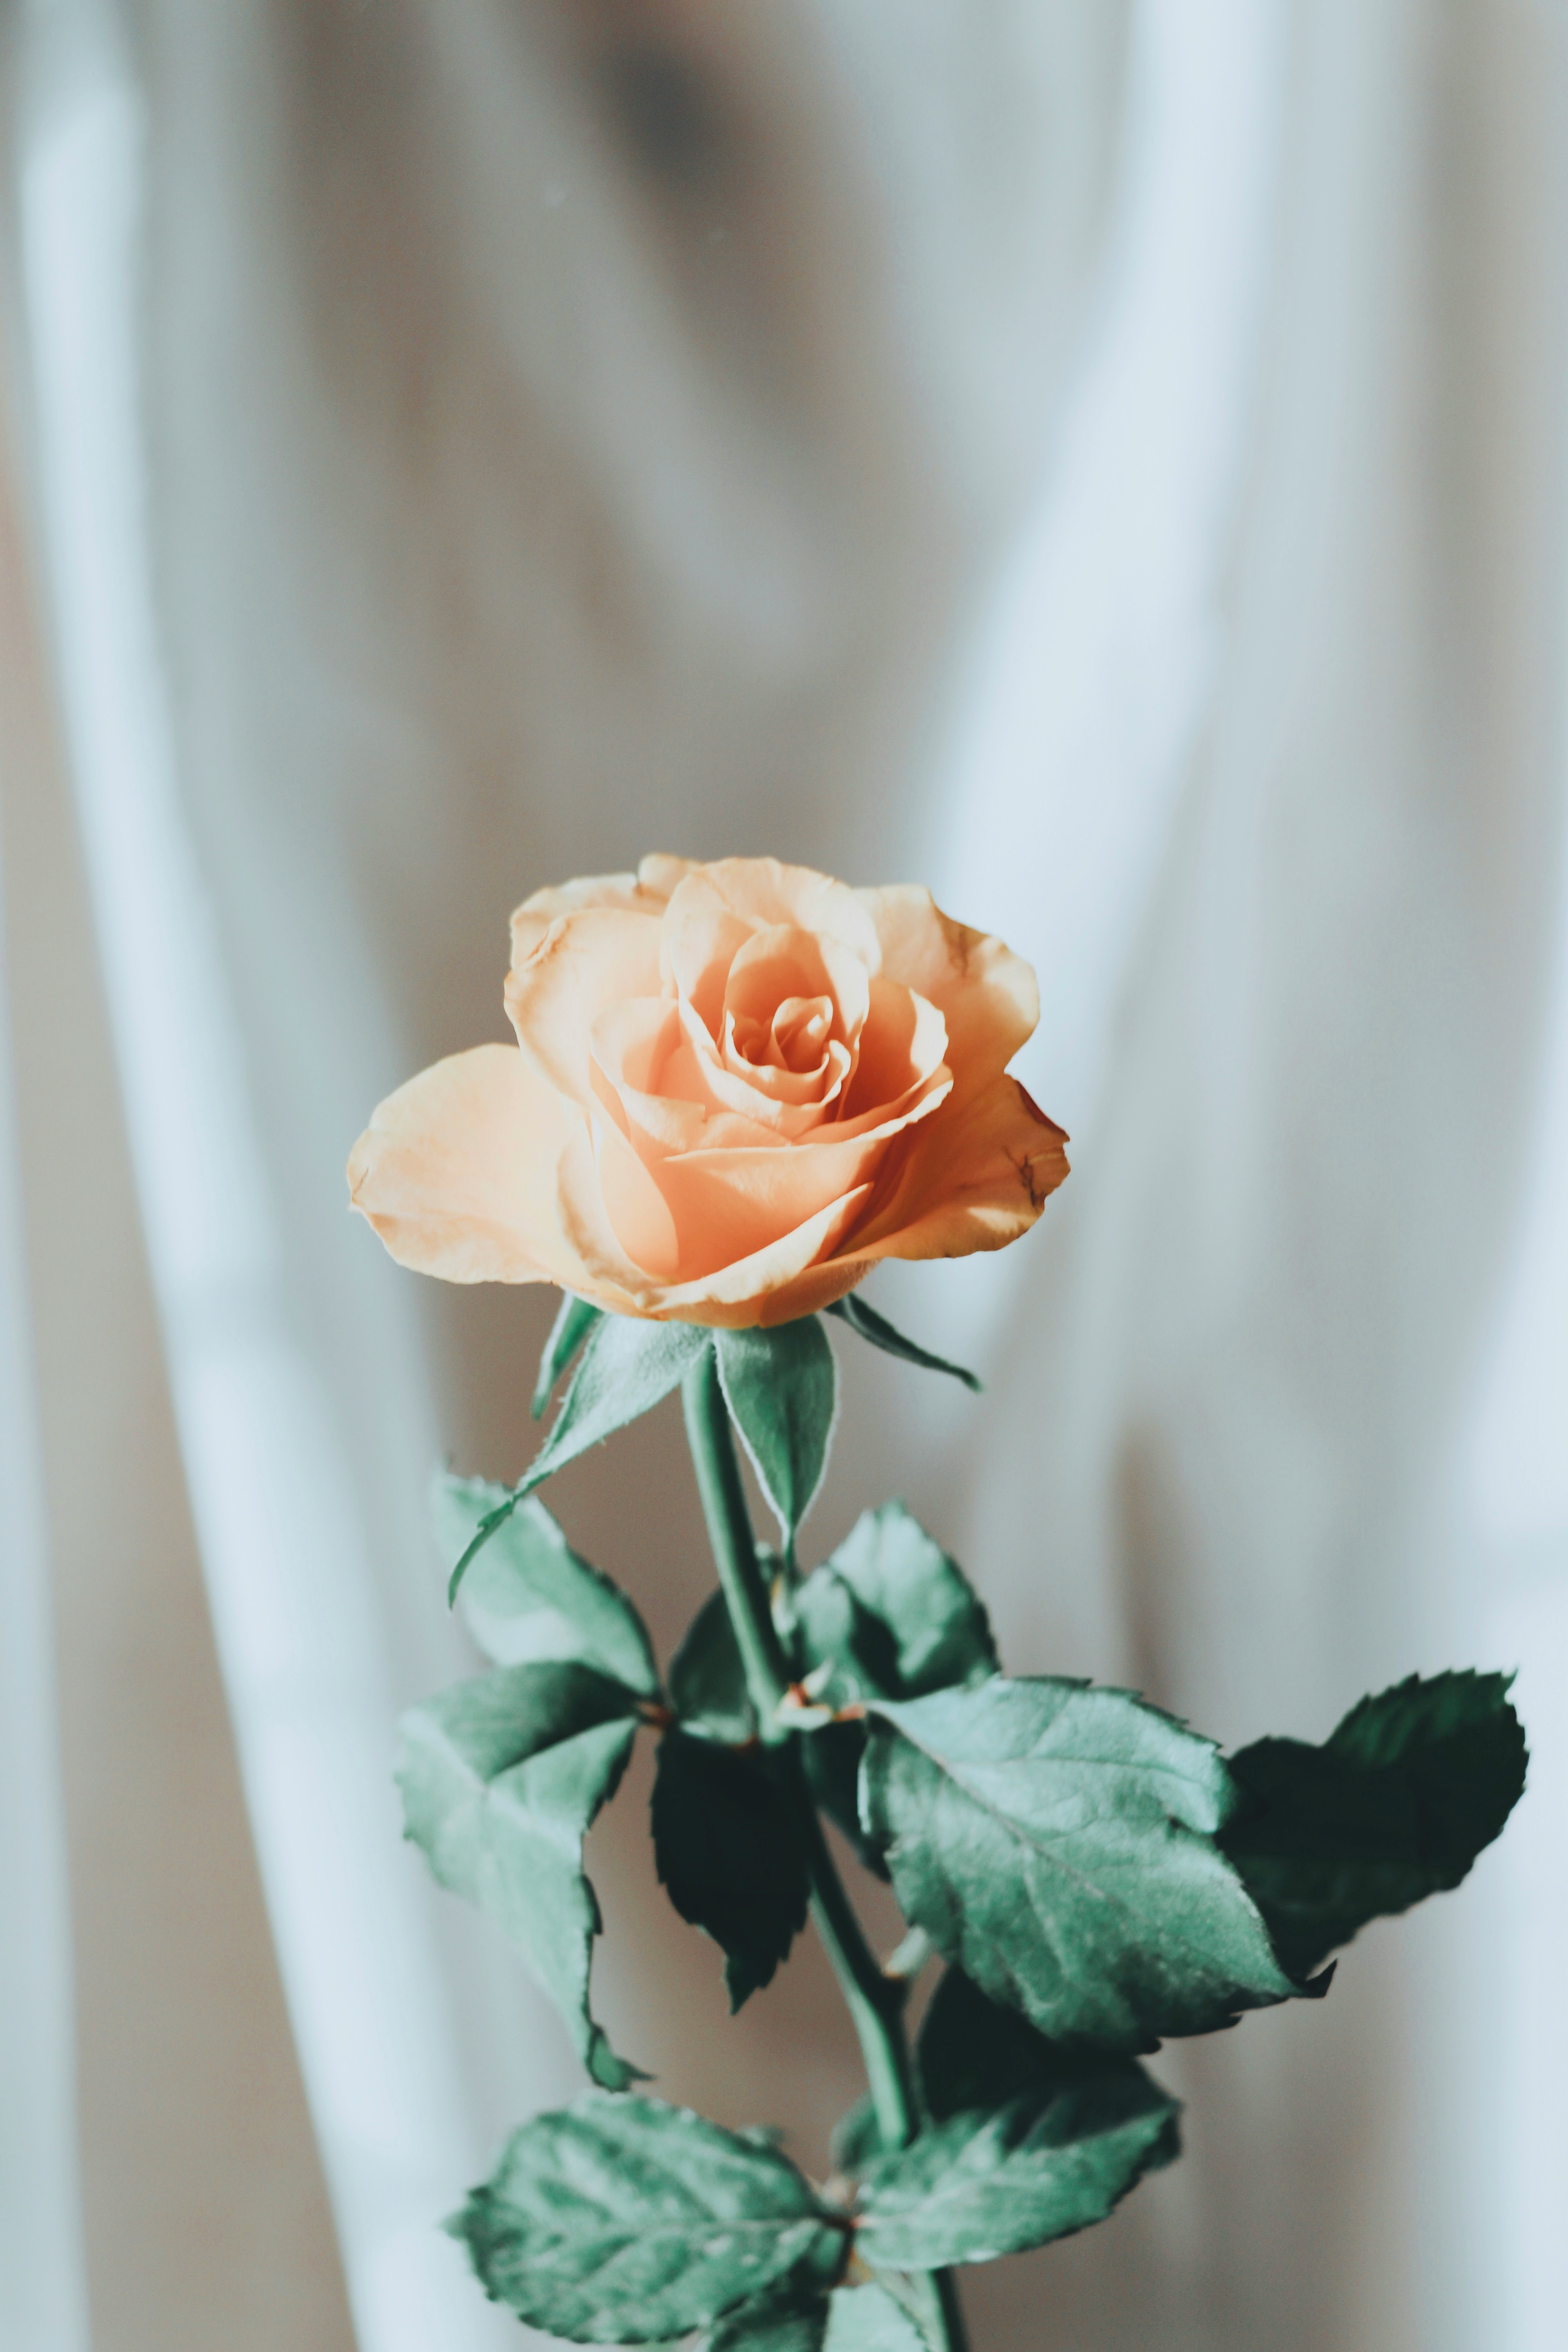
pixel 1095 1876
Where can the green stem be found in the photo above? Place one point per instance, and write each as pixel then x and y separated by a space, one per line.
pixel 874 2001
pixel 734 1547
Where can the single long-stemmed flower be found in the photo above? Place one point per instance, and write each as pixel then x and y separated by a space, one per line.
pixel 735 1089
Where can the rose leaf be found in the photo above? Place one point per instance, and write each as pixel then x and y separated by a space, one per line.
pixel 973 2052
pixel 852 2319
pixel 572 1326
pixel 729 1853
pixel 1394 1806
pixel 882 1334
pixel 627 2221
pixel 782 1389
pixel 997 2182
pixel 501 1777
pixel 770 2326
pixel 528 1595
pixel 893 1617
pixel 707 1676
pixel 857 2136
pixel 1057 1843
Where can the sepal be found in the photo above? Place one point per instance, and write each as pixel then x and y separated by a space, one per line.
pixel 882 1334
pixel 572 1326
pixel 627 1367
pixel 782 1389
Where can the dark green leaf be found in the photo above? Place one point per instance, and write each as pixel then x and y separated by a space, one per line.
pixel 1394 1807
pixel 875 1327
pixel 572 1326
pixel 627 2221
pixel 500 1778
pixel 528 1595
pixel 984 2185
pixel 1057 1841
pixel 852 2319
pixel 627 1367
pixel 892 1615
pixel 770 2328
pixel 856 2138
pixel 728 1851
pixel 707 1676
pixel 831 1757
pixel 782 1389
pixel 973 2052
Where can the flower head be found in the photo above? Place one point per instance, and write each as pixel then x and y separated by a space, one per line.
pixel 735 1088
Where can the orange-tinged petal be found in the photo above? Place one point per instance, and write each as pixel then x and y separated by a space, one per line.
pixel 534 918
pixel 641 1217
pixel 904 1040
pixel 457 1172
pixel 793 1275
pixel 658 875
pixel 642 893
pixel 713 905
pixel 987 995
pixel 727 1204
pixel 757 1289
pixel 585 963
pixel 782 962
pixel 973 1179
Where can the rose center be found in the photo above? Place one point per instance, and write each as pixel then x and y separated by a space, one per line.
pixel 801 1028
pixel 796 1039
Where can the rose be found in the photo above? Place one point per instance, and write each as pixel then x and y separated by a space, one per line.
pixel 735 1088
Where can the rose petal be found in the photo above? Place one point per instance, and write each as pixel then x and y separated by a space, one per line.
pixel 585 963
pixel 631 1046
pixel 660 875
pixel 799 1266
pixel 641 1218
pixel 456 1170
pixel 714 908
pixel 782 962
pixel 987 995
pixel 632 1042
pixel 695 1072
pixel 632 894
pixel 728 1204
pixel 904 1040
pixel 974 1179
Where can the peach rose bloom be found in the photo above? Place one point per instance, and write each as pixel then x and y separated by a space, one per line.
pixel 735 1088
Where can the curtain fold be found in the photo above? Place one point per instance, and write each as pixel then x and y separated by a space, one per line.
pixel 43 2278
pixel 1110 462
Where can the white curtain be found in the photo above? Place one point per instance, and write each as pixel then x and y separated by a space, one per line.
pixel 1111 467
pixel 43 2301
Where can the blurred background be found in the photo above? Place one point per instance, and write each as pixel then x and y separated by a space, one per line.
pixel 1102 457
